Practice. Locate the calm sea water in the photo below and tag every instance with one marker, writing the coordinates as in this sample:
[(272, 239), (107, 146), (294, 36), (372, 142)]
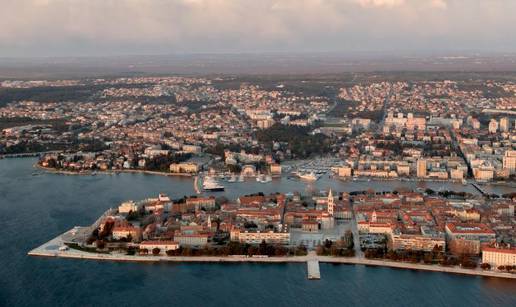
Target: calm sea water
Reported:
[(34, 209)]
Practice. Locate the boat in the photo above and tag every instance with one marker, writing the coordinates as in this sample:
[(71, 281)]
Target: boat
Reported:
[(309, 176), (212, 185)]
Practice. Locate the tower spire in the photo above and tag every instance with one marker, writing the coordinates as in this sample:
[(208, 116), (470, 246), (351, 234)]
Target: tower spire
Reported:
[(331, 203)]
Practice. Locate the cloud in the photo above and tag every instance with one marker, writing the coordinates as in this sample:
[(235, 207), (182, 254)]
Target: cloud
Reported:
[(381, 3), (76, 27), (440, 4)]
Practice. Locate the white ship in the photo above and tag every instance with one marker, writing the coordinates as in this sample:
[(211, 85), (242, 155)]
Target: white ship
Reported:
[(308, 176), (264, 179), (210, 184)]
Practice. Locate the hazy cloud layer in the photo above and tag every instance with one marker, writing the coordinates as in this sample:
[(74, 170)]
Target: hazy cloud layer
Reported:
[(107, 27)]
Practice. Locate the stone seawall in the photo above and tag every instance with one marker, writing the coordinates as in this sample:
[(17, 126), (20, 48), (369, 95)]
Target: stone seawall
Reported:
[(52, 249)]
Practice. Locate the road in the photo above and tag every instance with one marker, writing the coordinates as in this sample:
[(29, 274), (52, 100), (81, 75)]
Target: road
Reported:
[(356, 237)]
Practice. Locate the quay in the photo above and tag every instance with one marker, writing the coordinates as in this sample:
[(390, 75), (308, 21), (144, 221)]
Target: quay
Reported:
[(56, 248)]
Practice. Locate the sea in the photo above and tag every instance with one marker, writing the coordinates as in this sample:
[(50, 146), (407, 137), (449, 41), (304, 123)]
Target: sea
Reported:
[(36, 206)]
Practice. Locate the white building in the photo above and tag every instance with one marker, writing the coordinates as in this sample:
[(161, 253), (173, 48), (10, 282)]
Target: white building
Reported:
[(497, 256)]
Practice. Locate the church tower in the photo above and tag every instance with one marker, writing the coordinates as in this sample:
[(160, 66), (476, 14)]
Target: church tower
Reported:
[(331, 203)]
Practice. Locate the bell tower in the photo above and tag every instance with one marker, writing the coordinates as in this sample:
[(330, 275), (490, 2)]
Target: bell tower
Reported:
[(331, 203)]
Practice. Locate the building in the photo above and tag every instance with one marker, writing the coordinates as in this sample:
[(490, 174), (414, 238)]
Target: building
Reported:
[(127, 207), (194, 149), (470, 231), (375, 227), (248, 170), (403, 169), (509, 161), (456, 174), (258, 237), (185, 167), (163, 246), (197, 203), (310, 226), (344, 171), (483, 173), (275, 169), (493, 126), (504, 124), (421, 168), (499, 255), (417, 242), (330, 203), (126, 232), (191, 239)]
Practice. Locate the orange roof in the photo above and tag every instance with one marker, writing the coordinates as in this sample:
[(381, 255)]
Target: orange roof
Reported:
[(469, 228), (499, 250), (156, 242)]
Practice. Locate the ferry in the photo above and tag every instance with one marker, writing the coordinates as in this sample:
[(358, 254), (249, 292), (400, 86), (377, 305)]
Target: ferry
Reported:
[(264, 179), (309, 176), (210, 184)]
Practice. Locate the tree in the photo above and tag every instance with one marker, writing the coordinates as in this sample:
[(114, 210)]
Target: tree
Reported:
[(156, 251), (485, 266), (429, 191), (100, 244), (301, 250), (262, 248)]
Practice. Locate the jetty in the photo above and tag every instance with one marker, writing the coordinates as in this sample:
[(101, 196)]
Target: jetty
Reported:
[(314, 272)]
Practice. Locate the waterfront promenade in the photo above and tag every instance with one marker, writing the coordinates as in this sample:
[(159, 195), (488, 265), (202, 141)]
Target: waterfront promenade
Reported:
[(52, 249), (109, 172)]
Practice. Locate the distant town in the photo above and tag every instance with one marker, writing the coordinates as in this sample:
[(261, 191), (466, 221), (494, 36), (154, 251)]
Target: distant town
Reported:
[(429, 130)]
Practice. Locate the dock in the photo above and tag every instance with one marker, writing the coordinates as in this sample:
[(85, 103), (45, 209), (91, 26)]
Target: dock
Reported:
[(313, 269)]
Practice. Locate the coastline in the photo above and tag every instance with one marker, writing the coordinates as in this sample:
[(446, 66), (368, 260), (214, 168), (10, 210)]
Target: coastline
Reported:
[(51, 250), (108, 172), (341, 179)]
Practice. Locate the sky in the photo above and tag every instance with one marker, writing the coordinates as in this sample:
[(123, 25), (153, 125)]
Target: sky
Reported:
[(31, 28)]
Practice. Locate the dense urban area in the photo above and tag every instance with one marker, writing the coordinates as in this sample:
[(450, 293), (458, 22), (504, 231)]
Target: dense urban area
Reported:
[(430, 227), (220, 130), (437, 130)]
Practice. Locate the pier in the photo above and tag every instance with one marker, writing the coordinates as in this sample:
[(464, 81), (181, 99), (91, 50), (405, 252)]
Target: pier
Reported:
[(313, 269)]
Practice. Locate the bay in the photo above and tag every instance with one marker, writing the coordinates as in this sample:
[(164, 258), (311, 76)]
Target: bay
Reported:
[(36, 208)]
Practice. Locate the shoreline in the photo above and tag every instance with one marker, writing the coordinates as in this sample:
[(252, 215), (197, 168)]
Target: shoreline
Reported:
[(359, 179), (51, 250), (108, 172)]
